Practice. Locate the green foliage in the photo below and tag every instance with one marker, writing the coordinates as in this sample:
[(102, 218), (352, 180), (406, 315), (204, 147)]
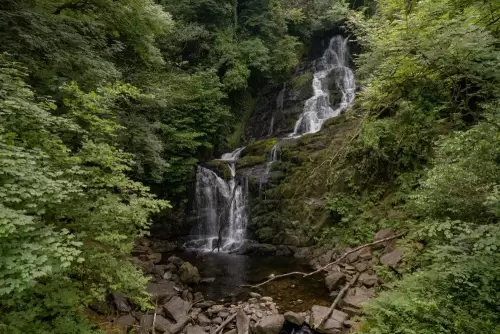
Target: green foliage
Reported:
[(65, 212)]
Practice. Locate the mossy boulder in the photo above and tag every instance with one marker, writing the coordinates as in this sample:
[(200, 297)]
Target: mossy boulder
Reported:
[(220, 168), (251, 160), (259, 148)]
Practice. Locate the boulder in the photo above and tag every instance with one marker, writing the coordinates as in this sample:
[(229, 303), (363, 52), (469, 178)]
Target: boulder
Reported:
[(271, 324), (161, 291), (361, 266), (155, 257), (189, 274), (303, 253), (190, 329), (126, 320), (162, 324), (242, 322), (383, 234), (188, 296), (355, 301), (179, 325), (146, 324), (332, 325), (198, 297), (121, 303), (171, 268), (335, 280), (217, 320), (325, 258), (203, 320), (177, 308), (159, 270), (368, 280), (295, 318), (365, 253), (175, 260), (393, 258), (352, 257)]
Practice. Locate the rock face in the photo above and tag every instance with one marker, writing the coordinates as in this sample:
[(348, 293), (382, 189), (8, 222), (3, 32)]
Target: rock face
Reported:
[(270, 325), (393, 258), (335, 280), (189, 274), (177, 308)]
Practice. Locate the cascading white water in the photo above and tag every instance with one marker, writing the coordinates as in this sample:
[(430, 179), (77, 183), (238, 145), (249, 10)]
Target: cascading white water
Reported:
[(220, 206), (317, 109)]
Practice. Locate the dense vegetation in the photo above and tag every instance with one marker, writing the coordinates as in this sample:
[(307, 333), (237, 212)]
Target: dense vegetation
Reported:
[(99, 103), (105, 110)]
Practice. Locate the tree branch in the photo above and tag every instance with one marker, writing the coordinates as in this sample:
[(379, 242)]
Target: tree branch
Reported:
[(225, 323), (343, 256), (337, 300)]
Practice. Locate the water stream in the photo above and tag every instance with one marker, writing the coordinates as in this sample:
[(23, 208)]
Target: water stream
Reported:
[(220, 207)]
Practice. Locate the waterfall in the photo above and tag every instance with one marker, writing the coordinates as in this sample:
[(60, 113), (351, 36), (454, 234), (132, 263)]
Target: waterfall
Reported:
[(317, 109), (220, 204)]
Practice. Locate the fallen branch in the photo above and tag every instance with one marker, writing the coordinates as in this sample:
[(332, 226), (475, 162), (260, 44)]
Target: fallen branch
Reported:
[(343, 256), (338, 298), (225, 323), (154, 316)]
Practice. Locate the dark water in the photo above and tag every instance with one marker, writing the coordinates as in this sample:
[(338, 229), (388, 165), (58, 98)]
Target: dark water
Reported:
[(232, 271)]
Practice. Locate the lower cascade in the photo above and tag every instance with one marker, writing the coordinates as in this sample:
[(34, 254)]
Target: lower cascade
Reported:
[(220, 209)]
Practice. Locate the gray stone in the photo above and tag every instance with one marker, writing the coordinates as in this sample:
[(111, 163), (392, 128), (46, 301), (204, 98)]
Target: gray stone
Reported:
[(352, 257), (217, 320), (203, 320), (351, 311), (295, 318), (232, 331), (368, 280), (266, 299), (255, 295), (332, 325), (198, 297), (177, 308), (187, 296), (205, 304), (121, 302), (161, 291), (392, 258), (335, 280), (242, 323), (175, 260), (207, 280), (223, 314), (365, 253), (361, 266), (126, 320), (162, 324), (189, 274), (146, 324), (355, 301), (179, 326), (383, 234), (190, 329), (167, 276), (171, 268), (155, 257), (303, 253), (325, 258), (253, 301), (270, 324)]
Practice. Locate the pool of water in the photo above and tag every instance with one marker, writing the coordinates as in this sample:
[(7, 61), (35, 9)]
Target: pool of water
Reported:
[(231, 271)]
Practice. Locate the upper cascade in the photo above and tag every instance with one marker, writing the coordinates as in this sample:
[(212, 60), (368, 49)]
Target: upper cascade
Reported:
[(317, 109)]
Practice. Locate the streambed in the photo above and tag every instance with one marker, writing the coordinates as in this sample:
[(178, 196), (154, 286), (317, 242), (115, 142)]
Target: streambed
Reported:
[(230, 272)]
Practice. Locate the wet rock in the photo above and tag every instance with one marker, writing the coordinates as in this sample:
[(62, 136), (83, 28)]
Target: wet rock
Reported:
[(203, 320), (161, 291), (266, 299), (295, 318), (190, 329), (368, 280), (217, 320), (121, 302), (270, 324), (283, 250), (253, 248), (255, 295), (175, 260), (177, 308), (242, 323), (189, 274), (393, 258), (207, 280), (126, 320), (335, 280)]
